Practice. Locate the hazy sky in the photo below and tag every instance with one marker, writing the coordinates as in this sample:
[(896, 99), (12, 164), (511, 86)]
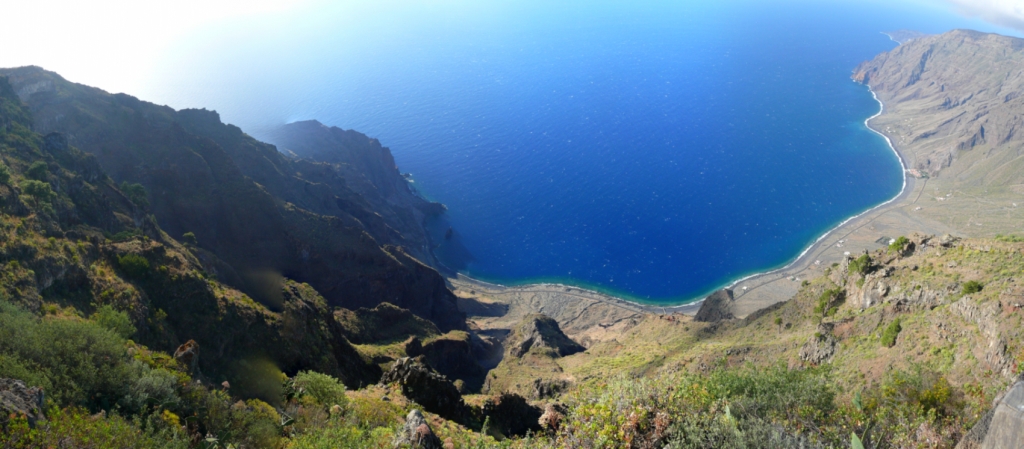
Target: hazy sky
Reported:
[(119, 45)]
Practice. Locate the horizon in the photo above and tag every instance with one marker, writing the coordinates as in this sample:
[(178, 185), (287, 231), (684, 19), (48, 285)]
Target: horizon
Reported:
[(124, 47)]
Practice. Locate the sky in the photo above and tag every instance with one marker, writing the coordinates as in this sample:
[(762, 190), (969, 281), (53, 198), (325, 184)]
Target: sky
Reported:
[(119, 45)]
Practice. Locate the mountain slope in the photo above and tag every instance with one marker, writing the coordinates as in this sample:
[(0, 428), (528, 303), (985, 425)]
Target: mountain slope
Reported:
[(245, 203), (369, 169), (954, 107), (73, 242)]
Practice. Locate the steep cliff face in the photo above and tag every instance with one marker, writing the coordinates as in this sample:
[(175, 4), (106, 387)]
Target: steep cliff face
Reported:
[(367, 168), (265, 216), (955, 92), (71, 238)]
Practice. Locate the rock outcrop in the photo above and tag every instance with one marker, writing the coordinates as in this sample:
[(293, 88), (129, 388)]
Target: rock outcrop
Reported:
[(369, 169), (821, 346), (716, 307), (549, 388), (385, 323), (540, 333), (18, 399), (511, 415), (434, 392), (188, 355), (262, 215), (452, 355)]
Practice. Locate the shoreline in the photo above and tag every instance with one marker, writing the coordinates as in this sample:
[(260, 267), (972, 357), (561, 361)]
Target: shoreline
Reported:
[(798, 264), (903, 191)]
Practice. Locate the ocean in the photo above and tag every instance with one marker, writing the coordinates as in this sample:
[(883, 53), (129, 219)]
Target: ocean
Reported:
[(652, 150)]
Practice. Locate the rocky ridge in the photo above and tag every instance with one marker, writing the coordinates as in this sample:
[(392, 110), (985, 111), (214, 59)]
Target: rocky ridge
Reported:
[(257, 216)]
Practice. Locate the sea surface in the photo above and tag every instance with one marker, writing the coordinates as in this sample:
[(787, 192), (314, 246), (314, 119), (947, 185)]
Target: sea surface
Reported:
[(652, 150)]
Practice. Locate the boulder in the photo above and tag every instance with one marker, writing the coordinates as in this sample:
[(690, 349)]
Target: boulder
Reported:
[(434, 392), (416, 433), (538, 331), (16, 398)]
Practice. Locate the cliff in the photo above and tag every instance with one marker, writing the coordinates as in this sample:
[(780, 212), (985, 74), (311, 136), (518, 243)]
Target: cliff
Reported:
[(369, 169), (74, 242), (259, 216)]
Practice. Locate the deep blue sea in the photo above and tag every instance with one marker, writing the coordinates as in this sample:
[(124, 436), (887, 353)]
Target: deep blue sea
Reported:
[(654, 150)]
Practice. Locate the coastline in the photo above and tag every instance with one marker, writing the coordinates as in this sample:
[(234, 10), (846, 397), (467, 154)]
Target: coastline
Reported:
[(902, 193), (798, 265)]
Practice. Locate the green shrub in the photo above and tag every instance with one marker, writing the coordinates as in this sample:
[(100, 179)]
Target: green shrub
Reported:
[(775, 392), (38, 189), (75, 428), (890, 333), (860, 265), (116, 321), (827, 299), (972, 287), (13, 367), (5, 173), (189, 238), (124, 236), (922, 389), (373, 412), (136, 193), (80, 361), (341, 435), (327, 390), (151, 388), (1009, 238), (133, 265), (37, 171), (898, 244)]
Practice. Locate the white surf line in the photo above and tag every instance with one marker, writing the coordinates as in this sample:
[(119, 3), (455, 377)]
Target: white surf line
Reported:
[(903, 166)]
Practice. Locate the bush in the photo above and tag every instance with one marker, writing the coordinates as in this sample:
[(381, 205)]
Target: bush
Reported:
[(79, 361), (860, 265), (151, 388), (38, 189), (118, 322), (890, 333), (38, 171), (341, 435), (972, 287), (136, 193), (373, 412), (74, 427), (5, 174), (826, 301), (898, 244), (1009, 238), (190, 238), (133, 265), (775, 392), (327, 390)]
